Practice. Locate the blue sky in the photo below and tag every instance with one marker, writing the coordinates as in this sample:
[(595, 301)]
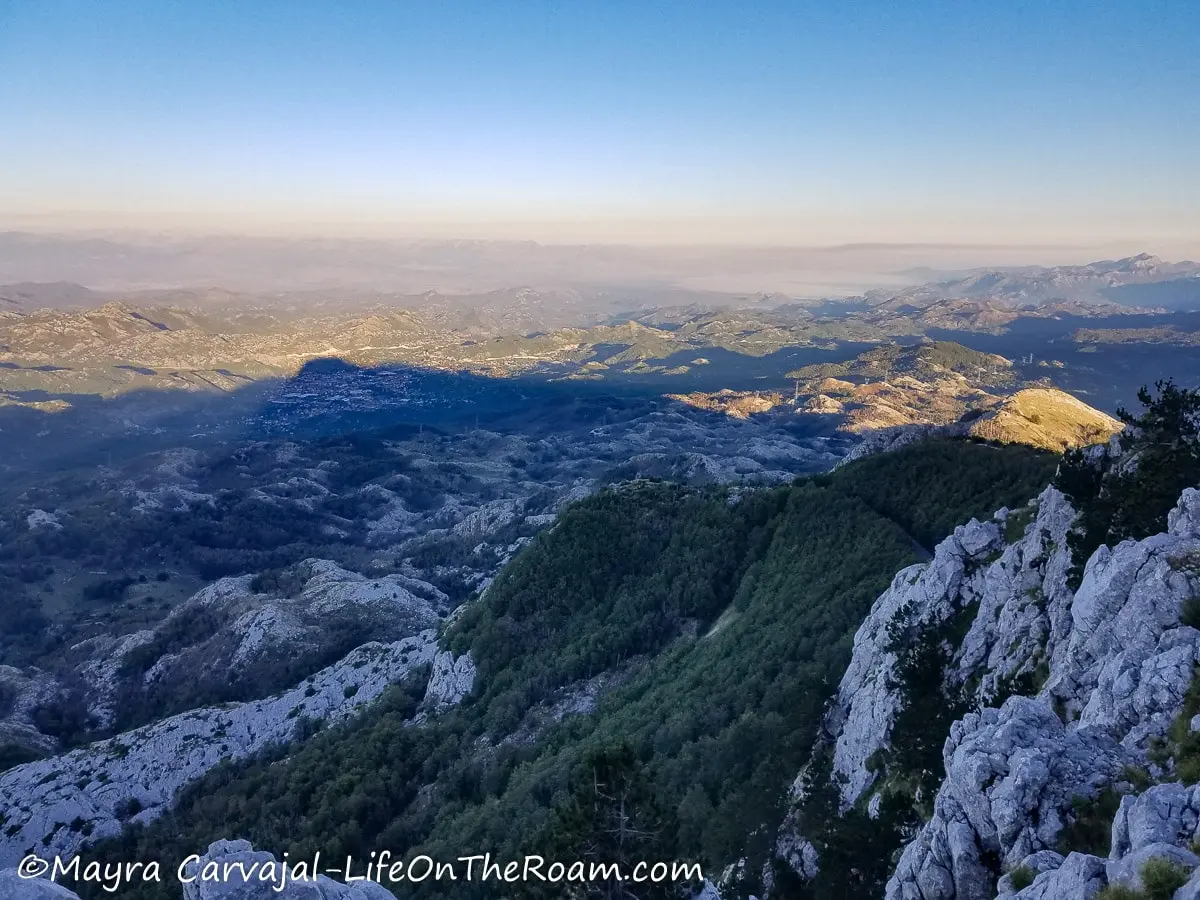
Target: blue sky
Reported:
[(609, 120)]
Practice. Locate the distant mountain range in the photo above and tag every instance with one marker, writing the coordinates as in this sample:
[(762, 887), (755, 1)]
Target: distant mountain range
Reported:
[(61, 339), (980, 297), (1121, 282)]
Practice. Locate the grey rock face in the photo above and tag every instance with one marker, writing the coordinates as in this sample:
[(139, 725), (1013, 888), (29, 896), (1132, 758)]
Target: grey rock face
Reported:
[(1011, 775), (1191, 890), (1120, 657), (1042, 861), (450, 681), (1184, 519), (1164, 814), (1024, 605), (1161, 823), (1080, 877), (881, 440), (322, 610), (13, 887), (24, 691), (972, 569), (237, 874), (1127, 660), (798, 853), (1111, 664), (923, 596), (97, 784), (1128, 869)]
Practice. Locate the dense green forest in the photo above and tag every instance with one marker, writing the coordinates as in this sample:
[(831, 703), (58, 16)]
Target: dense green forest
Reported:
[(705, 629)]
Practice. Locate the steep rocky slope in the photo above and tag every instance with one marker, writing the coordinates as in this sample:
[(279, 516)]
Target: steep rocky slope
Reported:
[(57, 804), (1067, 703), (249, 634), (1118, 663)]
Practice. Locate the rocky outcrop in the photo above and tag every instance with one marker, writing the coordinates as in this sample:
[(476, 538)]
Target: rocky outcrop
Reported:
[(21, 693), (1185, 517), (451, 680), (56, 804), (14, 887), (1080, 876), (1118, 663), (1072, 690), (228, 870), (1012, 774), (1160, 824), (237, 870), (259, 633), (1024, 601), (922, 598), (881, 440)]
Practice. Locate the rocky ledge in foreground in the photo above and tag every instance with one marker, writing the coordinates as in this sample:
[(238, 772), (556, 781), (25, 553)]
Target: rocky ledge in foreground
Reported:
[(231, 857), (1072, 761)]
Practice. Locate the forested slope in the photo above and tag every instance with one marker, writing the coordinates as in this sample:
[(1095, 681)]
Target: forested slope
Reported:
[(692, 635)]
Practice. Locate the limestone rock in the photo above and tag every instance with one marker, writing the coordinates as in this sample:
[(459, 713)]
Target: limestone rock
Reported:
[(239, 859), (1080, 877), (239, 630), (923, 597), (135, 776), (1184, 519), (13, 887), (1011, 773), (1128, 869), (25, 691), (1118, 664), (882, 440), (1191, 890), (450, 681), (1127, 660), (799, 854), (1024, 602), (1036, 863)]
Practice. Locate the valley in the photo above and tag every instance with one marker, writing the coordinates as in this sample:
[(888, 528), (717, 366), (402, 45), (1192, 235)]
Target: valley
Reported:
[(281, 555), (599, 451)]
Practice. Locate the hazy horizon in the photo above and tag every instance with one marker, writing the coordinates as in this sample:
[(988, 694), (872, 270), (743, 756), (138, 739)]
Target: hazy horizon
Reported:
[(129, 260)]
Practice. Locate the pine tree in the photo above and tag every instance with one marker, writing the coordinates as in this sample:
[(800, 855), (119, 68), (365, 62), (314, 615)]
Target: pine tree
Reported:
[(612, 817)]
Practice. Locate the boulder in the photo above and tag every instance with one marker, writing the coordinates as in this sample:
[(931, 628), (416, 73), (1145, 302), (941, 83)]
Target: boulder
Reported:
[(239, 867)]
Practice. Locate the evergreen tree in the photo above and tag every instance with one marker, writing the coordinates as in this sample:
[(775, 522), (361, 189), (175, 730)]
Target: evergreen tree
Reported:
[(613, 818), (1161, 457)]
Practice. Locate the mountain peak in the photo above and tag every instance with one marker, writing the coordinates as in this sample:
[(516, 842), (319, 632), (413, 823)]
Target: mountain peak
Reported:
[(1143, 262)]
